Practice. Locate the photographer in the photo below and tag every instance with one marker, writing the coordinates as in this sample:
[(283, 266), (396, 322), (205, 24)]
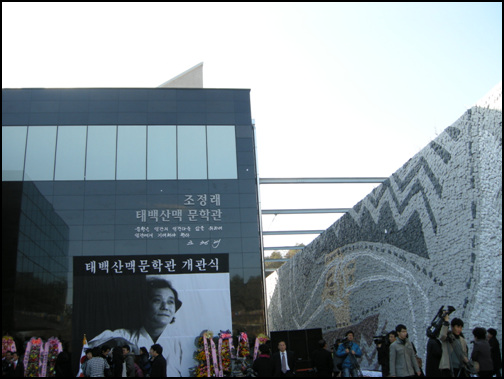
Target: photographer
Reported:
[(434, 345), (403, 360), (350, 351), (455, 349), (383, 346)]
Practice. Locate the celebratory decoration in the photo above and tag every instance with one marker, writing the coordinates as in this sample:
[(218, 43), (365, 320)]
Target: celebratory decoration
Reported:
[(8, 344), (33, 358), (225, 352), (215, 360), (243, 346), (202, 356), (50, 352), (260, 340)]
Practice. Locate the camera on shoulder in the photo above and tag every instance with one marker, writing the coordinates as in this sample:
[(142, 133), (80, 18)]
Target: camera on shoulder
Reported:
[(437, 322), (381, 340)]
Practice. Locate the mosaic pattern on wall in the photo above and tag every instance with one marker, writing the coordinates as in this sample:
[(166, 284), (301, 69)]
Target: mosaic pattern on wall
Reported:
[(430, 235)]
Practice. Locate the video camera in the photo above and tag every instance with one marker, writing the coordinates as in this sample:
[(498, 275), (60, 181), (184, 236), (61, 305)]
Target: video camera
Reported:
[(437, 322), (381, 340), (345, 341)]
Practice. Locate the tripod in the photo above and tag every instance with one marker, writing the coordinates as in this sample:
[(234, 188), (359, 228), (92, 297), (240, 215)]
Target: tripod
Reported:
[(354, 362)]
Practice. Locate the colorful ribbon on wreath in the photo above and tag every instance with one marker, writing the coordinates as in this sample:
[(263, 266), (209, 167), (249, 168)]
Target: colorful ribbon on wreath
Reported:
[(49, 354), (215, 355), (206, 335), (221, 367), (218, 372), (225, 335)]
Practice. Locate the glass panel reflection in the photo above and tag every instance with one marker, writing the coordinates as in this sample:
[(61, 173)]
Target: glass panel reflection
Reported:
[(40, 152), (101, 152), (162, 152), (221, 152), (42, 255), (70, 153), (131, 152), (192, 154), (13, 152)]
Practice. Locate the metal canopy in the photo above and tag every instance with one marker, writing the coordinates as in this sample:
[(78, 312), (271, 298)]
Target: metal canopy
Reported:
[(320, 180), (303, 211), (326, 180)]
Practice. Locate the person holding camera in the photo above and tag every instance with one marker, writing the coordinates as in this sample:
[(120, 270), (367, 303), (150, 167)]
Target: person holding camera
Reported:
[(403, 361), (350, 351), (383, 348), (434, 344), (455, 351)]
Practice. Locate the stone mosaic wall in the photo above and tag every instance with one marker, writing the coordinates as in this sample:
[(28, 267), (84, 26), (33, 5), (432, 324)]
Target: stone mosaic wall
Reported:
[(430, 235)]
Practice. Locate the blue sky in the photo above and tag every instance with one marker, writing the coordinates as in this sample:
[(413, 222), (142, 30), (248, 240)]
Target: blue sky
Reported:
[(337, 89)]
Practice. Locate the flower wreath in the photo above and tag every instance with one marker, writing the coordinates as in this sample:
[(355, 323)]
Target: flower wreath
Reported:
[(50, 353), (33, 357), (206, 346), (243, 346), (225, 352), (8, 344)]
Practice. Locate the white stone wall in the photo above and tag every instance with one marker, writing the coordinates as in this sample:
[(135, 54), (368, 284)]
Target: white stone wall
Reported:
[(430, 235)]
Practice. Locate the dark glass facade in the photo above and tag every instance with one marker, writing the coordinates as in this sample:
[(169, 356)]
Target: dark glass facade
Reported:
[(90, 172)]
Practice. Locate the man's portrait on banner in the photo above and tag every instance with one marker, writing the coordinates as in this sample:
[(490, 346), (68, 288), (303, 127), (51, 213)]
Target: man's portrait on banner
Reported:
[(142, 310), (159, 303)]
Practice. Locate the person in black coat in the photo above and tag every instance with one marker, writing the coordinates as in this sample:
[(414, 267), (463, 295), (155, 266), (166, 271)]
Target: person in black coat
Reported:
[(290, 361), (263, 365), (495, 351), (481, 353), (383, 348), (158, 367), (16, 368), (117, 361), (63, 366), (145, 363), (434, 354), (6, 362), (322, 360)]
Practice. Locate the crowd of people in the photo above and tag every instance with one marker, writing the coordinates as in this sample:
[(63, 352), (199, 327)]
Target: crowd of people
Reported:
[(447, 355), (12, 365), (102, 361), (122, 362)]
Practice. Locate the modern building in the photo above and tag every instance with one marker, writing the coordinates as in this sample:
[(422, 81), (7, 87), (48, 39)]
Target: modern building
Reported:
[(120, 172)]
